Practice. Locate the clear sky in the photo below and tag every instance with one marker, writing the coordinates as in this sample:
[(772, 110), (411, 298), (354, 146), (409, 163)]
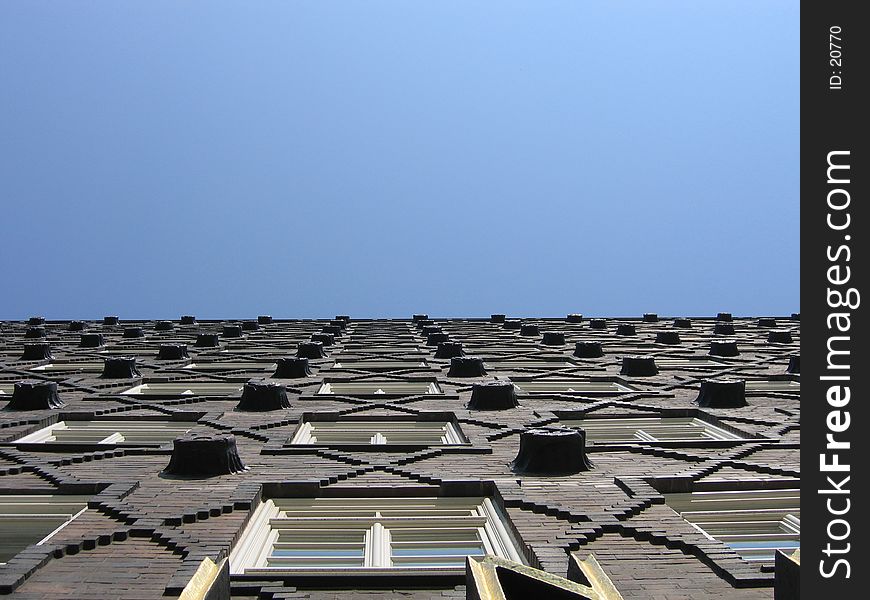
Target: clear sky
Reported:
[(379, 158)]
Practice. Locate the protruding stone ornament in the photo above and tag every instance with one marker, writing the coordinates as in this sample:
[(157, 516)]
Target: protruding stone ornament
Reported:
[(34, 394), (449, 350), (291, 368), (207, 340), (553, 451), (722, 393), (553, 338), (499, 394), (172, 352), (639, 366), (263, 395), (36, 351), (200, 454), (466, 366), (588, 349), (310, 350), (671, 338), (724, 348), (120, 367)]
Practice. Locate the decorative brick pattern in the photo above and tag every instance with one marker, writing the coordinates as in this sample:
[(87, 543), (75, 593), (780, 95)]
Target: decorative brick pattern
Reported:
[(145, 532)]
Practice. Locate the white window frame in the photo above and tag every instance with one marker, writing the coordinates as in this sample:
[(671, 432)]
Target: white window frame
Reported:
[(645, 429), (378, 432), (370, 526), (185, 388), (769, 518), (22, 512), (108, 432), (381, 387)]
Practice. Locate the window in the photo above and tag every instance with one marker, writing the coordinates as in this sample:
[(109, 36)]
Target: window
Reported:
[(70, 367), (579, 386), (755, 523), (784, 387), (185, 388), (399, 388), (347, 534), (379, 365), (422, 433), (649, 429), (26, 520), (239, 365), (108, 432), (520, 363)]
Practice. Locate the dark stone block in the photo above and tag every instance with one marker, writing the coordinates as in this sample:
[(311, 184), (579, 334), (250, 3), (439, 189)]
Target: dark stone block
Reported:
[(333, 330), (794, 364), (344, 318), (722, 393), (530, 329), (424, 322), (202, 454), (430, 329), (597, 324), (795, 316), (512, 324), (650, 318), (449, 350), (499, 394), (682, 323), (36, 321), (91, 340), (466, 366), (339, 323), (639, 366), (433, 339), (188, 320), (76, 326), (588, 349), (34, 333), (670, 338), (552, 451), (779, 336), (723, 329), (723, 316), (164, 326), (262, 395), (207, 340), (172, 352), (626, 329), (497, 318), (419, 317), (310, 350), (120, 367), (232, 331), (327, 339), (724, 348), (553, 338), (110, 320), (574, 318), (766, 322), (250, 326), (291, 368), (33, 394), (133, 332), (37, 351), (264, 319)]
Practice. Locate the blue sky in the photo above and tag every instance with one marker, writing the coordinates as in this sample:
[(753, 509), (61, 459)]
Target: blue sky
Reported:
[(379, 158)]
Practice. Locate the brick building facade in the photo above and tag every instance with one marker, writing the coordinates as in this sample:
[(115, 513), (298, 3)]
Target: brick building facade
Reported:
[(369, 470)]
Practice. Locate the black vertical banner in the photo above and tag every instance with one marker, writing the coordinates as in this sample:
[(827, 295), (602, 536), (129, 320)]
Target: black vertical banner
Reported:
[(835, 222)]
